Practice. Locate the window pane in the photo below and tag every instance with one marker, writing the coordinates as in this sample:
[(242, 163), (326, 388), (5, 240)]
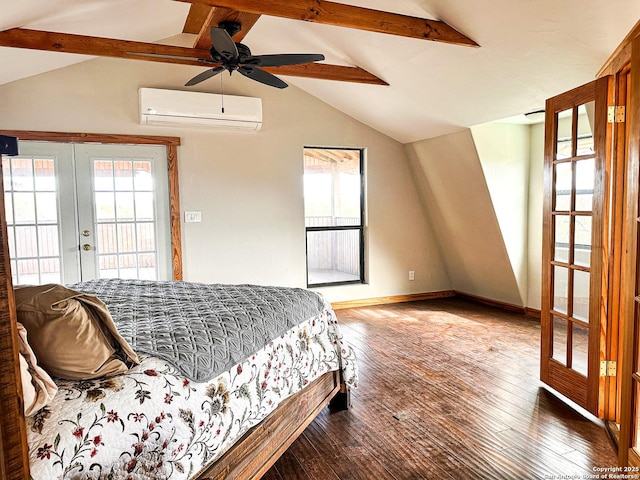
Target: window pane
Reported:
[(147, 266), (125, 209), (564, 146), (126, 237), (585, 177), (142, 176), (585, 130), (128, 266), (560, 340), (22, 174), (123, 172), (27, 272), (50, 270), (581, 295), (563, 233), (144, 206), (103, 175), (6, 173), (560, 289), (45, 175), (24, 208), (12, 243), (47, 206), (563, 184), (48, 241), (26, 242), (105, 206), (108, 265), (317, 199), (582, 246), (333, 256), (332, 187), (146, 237), (580, 350), (107, 240), (8, 207)]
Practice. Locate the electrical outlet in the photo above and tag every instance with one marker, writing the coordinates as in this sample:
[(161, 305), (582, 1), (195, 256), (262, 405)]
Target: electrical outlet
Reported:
[(412, 275)]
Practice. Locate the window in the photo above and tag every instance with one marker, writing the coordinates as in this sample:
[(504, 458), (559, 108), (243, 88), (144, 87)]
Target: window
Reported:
[(334, 215)]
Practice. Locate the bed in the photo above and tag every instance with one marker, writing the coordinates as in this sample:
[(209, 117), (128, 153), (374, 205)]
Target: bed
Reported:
[(235, 392)]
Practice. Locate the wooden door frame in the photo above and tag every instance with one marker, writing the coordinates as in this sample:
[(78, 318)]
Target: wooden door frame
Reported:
[(628, 417), (171, 143), (618, 243), (587, 393)]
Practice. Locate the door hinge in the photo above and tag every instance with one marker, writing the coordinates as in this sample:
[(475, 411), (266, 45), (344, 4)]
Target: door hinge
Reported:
[(608, 368), (616, 114)]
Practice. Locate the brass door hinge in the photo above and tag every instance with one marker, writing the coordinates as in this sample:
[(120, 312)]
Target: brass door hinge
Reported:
[(608, 368), (615, 114)]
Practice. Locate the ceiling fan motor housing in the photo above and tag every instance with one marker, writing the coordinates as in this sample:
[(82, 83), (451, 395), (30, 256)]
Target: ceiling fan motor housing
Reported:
[(230, 27)]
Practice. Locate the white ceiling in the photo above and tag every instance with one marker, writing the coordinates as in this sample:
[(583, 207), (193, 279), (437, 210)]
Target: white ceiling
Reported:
[(529, 50)]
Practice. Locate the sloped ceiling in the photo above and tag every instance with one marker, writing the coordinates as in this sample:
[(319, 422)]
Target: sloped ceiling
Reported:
[(529, 50)]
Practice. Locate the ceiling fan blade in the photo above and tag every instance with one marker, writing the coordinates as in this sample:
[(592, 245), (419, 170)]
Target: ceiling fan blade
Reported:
[(279, 60), (254, 73), (201, 77), (171, 57), (223, 43)]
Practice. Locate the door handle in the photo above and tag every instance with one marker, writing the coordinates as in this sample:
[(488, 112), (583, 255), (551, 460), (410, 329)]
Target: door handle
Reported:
[(86, 247)]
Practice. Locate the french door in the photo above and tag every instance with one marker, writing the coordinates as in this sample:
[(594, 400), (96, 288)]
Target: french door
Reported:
[(82, 211), (573, 316)]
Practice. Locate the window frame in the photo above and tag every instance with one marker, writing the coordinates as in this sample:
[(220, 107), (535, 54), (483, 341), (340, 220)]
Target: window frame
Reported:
[(360, 227)]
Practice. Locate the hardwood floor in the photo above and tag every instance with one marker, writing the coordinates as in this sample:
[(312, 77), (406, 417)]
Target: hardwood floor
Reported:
[(448, 390)]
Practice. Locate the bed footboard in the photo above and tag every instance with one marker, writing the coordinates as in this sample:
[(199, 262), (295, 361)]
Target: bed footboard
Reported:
[(261, 446)]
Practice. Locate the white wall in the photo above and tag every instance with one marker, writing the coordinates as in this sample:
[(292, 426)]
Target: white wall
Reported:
[(483, 190), (503, 150), (536, 192), (247, 186), (455, 194)]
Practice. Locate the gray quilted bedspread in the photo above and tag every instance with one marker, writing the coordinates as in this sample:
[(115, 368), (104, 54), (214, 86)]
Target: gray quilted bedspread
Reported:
[(202, 329)]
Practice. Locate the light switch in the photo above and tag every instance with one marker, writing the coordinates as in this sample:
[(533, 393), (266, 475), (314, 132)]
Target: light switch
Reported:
[(192, 217)]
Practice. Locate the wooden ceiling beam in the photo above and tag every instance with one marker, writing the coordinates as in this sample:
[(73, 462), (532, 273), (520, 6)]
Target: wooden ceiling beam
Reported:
[(108, 47), (326, 71), (202, 17), (97, 46), (198, 14), (219, 14), (349, 16)]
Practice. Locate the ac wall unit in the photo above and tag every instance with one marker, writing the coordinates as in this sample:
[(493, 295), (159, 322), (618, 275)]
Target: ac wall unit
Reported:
[(195, 109)]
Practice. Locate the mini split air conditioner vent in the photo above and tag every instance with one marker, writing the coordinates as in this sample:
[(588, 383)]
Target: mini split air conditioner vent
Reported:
[(194, 109)]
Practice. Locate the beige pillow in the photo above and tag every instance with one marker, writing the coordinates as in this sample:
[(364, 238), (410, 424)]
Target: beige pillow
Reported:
[(71, 333), (38, 389)]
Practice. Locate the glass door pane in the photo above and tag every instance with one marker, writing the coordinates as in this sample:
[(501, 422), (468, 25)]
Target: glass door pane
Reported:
[(127, 230), (40, 214), (573, 187)]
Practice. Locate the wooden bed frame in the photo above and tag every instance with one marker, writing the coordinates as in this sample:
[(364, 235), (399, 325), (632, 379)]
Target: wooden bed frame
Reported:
[(249, 458)]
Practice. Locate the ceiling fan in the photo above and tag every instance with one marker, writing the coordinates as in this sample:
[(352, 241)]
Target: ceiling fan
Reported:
[(237, 57)]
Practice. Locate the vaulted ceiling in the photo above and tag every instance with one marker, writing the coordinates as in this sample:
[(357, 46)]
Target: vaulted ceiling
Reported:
[(412, 69)]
